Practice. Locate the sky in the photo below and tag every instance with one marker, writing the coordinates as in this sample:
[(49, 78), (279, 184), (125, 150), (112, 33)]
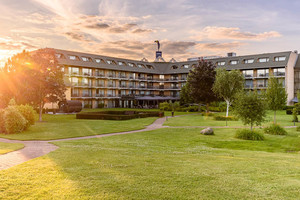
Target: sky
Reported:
[(128, 28)]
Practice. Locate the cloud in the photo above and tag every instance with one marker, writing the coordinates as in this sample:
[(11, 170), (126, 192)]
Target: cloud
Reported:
[(98, 26), (231, 33), (10, 44), (78, 36), (216, 47), (139, 30)]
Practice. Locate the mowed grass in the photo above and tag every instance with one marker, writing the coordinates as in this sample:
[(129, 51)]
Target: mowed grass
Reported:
[(168, 163), (8, 147), (198, 120), (67, 126)]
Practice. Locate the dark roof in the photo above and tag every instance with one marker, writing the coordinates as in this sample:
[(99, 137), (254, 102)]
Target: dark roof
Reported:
[(166, 67)]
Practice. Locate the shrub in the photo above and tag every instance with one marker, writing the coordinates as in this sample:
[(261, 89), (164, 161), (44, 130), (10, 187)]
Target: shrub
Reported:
[(224, 118), (288, 107), (214, 109), (14, 120), (275, 129), (247, 134), (2, 121), (165, 106), (28, 113), (298, 128), (192, 109), (101, 105), (295, 113)]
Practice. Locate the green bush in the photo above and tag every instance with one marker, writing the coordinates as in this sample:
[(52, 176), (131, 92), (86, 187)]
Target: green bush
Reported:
[(214, 109), (101, 105), (28, 113), (247, 134), (295, 113), (275, 129), (118, 115), (288, 107), (298, 128), (2, 121), (14, 120), (165, 106), (224, 118), (192, 109)]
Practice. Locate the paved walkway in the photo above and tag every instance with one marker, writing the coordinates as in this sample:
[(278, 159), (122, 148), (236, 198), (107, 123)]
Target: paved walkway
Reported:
[(34, 149)]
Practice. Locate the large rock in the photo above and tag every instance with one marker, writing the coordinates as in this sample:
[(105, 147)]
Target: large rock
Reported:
[(207, 131)]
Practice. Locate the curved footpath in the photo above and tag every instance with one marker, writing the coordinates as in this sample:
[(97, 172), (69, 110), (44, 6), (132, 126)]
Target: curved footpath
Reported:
[(34, 149)]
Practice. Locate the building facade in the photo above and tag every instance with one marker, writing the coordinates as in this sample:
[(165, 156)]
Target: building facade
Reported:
[(100, 81)]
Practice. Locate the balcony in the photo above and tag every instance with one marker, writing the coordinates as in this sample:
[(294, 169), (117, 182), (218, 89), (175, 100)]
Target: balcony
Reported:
[(99, 95)]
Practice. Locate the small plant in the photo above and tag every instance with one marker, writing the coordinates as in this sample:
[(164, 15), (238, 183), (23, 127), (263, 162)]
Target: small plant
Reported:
[(14, 120), (247, 134), (295, 113), (275, 129), (224, 118)]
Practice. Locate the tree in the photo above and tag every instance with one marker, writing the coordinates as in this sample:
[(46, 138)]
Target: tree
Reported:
[(275, 95), (250, 108), (185, 97), (32, 78), (201, 80), (227, 85)]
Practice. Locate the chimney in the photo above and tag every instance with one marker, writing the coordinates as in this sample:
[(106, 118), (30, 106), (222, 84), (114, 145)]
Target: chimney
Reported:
[(231, 54)]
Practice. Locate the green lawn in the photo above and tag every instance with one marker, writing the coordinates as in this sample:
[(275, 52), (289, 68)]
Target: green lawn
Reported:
[(167, 163), (198, 120), (67, 126), (8, 147)]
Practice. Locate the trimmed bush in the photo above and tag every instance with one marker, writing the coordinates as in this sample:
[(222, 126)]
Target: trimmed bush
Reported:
[(28, 113), (2, 121), (247, 134), (118, 115), (192, 109), (275, 129), (224, 118), (14, 120)]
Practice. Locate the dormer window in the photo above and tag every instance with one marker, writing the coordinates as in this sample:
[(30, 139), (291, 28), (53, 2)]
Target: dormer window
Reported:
[(150, 67), (73, 57), (121, 63), (249, 61), (86, 59), (263, 60), (174, 67), (234, 62), (141, 66), (59, 55), (279, 58), (186, 66), (221, 63), (111, 62)]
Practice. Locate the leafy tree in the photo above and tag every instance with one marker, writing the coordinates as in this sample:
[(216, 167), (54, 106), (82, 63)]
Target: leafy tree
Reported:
[(185, 97), (33, 78), (250, 108), (201, 80), (275, 95), (227, 85)]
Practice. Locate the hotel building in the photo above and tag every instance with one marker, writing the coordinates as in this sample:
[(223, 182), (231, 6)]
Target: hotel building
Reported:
[(115, 82)]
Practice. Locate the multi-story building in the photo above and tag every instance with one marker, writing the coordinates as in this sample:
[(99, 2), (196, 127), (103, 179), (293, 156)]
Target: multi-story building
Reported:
[(115, 82)]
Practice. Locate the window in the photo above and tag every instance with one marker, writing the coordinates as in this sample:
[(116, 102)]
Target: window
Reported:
[(86, 92), (234, 62), (262, 60), (174, 67), (263, 72), (86, 82), (99, 72), (161, 77), (122, 75), (141, 66), (74, 92), (282, 81), (73, 70), (248, 61), (131, 65), (248, 73), (184, 76), (111, 62), (279, 72), (111, 83), (74, 81), (262, 83), (279, 58), (100, 83), (186, 66), (73, 58), (149, 66), (248, 84), (59, 55), (86, 59), (86, 72), (220, 63)]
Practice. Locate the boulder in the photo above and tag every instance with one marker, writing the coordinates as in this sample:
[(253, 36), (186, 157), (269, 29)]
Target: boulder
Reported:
[(207, 131)]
